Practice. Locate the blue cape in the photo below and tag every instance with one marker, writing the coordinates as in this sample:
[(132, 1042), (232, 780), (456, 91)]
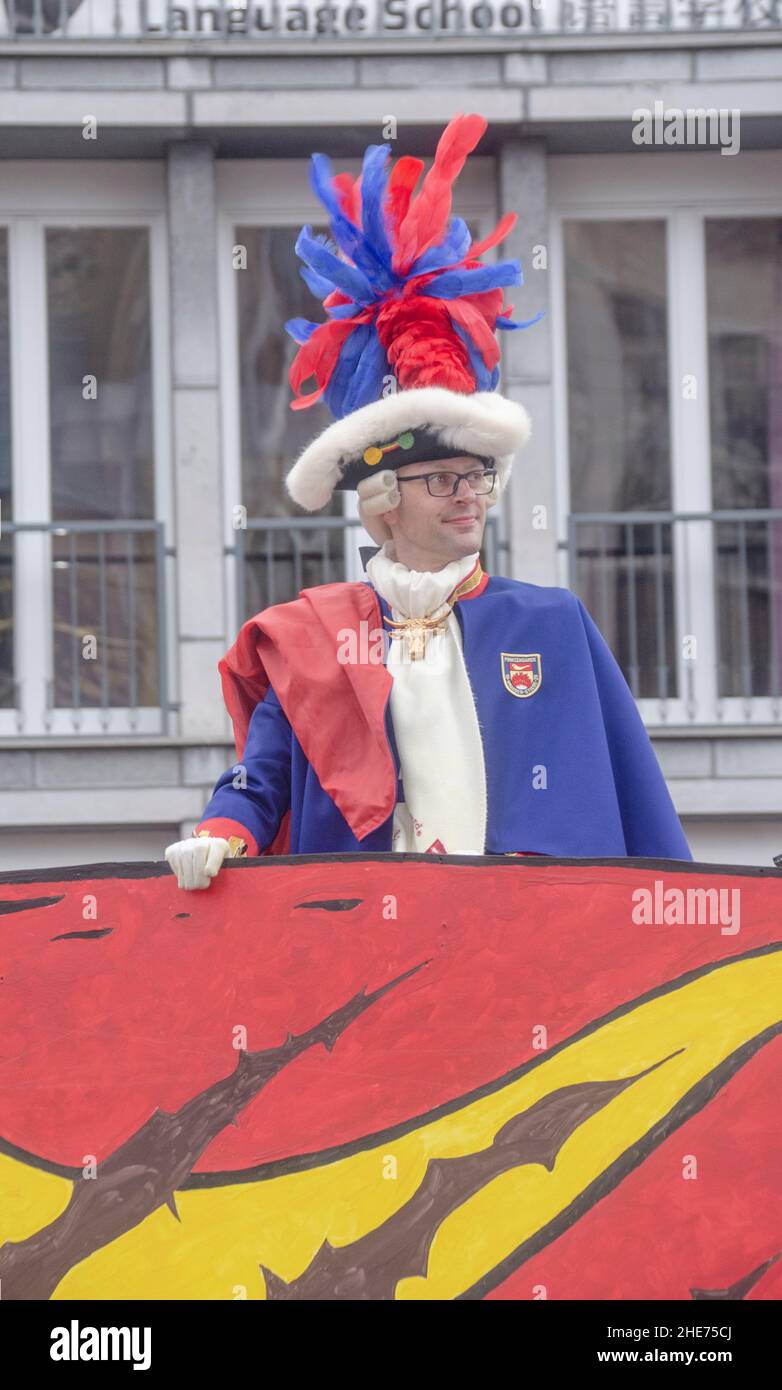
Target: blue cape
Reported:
[(570, 770)]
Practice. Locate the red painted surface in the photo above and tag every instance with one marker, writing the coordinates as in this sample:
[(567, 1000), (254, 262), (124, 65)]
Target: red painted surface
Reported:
[(100, 1032), (656, 1235)]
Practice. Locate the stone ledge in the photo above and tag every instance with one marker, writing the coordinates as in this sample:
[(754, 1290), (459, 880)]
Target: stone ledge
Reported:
[(51, 74), (185, 74), (653, 66), (118, 769), (249, 108), (111, 108), (727, 796), (145, 766), (684, 759), (285, 72), (719, 64), (127, 806), (477, 69), (616, 102)]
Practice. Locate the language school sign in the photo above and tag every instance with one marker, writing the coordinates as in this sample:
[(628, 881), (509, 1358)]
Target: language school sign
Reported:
[(371, 17), (356, 19), (467, 17)]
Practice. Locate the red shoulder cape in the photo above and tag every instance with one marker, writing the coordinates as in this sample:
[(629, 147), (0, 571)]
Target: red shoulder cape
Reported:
[(336, 710)]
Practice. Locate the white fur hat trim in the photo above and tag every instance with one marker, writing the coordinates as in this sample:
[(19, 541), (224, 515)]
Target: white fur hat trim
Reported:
[(483, 423)]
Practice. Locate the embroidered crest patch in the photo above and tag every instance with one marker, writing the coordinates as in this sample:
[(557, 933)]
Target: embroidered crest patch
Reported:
[(521, 673)]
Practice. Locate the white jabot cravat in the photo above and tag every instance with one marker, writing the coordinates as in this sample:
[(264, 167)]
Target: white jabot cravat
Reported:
[(433, 713)]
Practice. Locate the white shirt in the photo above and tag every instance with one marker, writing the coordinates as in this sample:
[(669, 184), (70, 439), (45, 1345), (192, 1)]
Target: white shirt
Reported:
[(433, 713)]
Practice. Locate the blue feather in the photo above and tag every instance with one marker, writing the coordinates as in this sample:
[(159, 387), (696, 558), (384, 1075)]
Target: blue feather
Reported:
[(301, 330), (484, 379), (325, 241), (342, 311), (454, 283), (350, 238), (527, 323), (346, 233), (317, 283), (344, 367), (323, 288), (367, 380), (449, 251), (374, 178), (345, 277), (342, 375)]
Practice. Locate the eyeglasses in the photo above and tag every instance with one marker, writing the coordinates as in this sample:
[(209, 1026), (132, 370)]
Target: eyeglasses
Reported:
[(480, 480)]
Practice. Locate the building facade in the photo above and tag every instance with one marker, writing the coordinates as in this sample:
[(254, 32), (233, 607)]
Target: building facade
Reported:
[(153, 177)]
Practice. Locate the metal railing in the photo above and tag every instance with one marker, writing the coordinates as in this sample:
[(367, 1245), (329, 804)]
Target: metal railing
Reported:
[(104, 605), (102, 577), (690, 602), (276, 557), (269, 20)]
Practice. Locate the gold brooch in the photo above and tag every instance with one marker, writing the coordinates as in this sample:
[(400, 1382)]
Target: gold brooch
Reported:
[(416, 631)]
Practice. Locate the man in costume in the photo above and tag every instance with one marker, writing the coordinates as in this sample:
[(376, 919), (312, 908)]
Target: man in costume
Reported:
[(433, 707)]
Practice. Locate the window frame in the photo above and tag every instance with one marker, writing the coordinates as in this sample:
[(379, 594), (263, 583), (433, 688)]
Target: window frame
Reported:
[(73, 194), (682, 189)]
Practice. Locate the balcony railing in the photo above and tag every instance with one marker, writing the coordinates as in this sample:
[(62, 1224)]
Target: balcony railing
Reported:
[(270, 20), (691, 605), (83, 627), (277, 556)]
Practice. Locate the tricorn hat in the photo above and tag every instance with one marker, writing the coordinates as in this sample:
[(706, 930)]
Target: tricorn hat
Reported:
[(408, 358)]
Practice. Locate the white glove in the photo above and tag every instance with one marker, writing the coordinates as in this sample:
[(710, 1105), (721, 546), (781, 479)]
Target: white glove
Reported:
[(196, 861)]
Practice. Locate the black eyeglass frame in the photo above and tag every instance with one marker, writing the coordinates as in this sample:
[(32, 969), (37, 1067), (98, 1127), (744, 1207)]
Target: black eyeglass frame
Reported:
[(440, 472)]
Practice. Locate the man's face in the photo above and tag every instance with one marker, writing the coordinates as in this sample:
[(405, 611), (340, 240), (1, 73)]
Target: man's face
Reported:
[(436, 530)]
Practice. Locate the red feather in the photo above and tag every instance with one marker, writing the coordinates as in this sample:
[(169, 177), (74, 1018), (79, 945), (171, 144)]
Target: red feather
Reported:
[(487, 302), (336, 297), (468, 316), (349, 193), (427, 217), (421, 346), (318, 357), (401, 182), (500, 232)]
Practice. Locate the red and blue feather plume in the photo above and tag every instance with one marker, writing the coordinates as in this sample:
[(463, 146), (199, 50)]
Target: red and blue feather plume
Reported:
[(402, 282)]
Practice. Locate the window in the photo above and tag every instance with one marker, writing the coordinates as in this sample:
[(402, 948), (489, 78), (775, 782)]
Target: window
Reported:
[(101, 464), (668, 297), (278, 560), (83, 416), (744, 306), (6, 513), (619, 437)]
